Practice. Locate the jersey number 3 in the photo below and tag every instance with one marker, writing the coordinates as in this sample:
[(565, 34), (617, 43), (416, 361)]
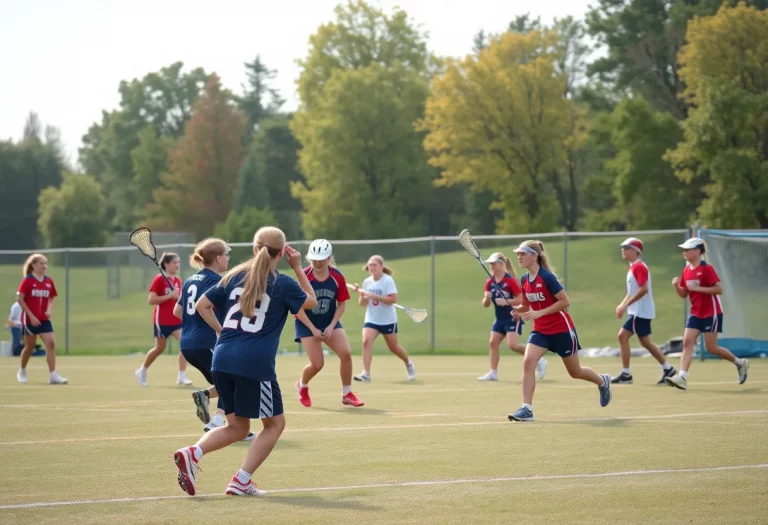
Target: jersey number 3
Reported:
[(246, 324), (191, 296)]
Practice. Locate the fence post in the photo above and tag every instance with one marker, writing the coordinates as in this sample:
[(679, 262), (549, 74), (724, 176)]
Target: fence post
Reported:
[(66, 302), (565, 260), (432, 250), (697, 233)]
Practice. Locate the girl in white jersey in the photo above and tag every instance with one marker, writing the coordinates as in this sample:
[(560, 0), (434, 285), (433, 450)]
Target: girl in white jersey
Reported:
[(378, 295)]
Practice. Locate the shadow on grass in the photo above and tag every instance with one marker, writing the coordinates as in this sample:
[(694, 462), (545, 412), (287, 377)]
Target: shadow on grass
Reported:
[(318, 502), (359, 410)]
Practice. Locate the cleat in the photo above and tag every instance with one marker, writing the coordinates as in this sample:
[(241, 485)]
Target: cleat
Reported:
[(141, 375), (250, 437), (743, 371), (363, 376), (56, 379), (541, 367), (351, 400), (522, 414), (623, 379), (605, 390), (304, 398), (665, 374), (188, 469), (21, 375), (235, 488), (201, 402), (490, 376), (410, 369), (677, 381), (183, 381)]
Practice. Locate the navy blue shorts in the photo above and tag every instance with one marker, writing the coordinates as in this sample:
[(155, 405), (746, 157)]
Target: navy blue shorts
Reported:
[(165, 331), (248, 397), (563, 344), (505, 326), (45, 327), (707, 324), (301, 331), (200, 358), (385, 329), (638, 325)]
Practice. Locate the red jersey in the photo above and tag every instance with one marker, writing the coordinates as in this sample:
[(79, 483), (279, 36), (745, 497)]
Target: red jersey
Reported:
[(509, 288), (162, 315), (539, 293), (703, 305), (38, 296)]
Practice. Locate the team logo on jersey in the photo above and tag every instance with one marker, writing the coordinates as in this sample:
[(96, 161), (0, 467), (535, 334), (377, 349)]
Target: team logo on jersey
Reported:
[(534, 297), (41, 293), (692, 282)]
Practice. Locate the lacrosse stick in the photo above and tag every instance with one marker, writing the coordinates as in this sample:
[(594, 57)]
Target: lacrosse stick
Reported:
[(142, 239), (417, 315), (466, 241)]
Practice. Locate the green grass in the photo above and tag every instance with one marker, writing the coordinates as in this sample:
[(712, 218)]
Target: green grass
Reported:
[(102, 437), (595, 279)]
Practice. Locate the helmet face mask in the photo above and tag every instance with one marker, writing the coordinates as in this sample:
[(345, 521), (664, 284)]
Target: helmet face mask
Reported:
[(319, 250)]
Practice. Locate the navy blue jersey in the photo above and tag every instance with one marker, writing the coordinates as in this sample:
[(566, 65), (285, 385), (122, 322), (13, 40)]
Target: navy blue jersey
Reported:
[(329, 292), (509, 288), (195, 332), (248, 346)]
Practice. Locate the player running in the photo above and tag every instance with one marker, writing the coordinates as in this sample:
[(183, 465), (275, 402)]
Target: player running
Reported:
[(700, 283), (255, 300), (638, 303), (322, 324), (545, 303), (504, 326), (378, 295), (36, 295), (165, 323)]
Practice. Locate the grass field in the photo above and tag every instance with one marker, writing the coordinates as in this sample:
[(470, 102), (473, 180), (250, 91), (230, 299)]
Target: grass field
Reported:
[(595, 283), (438, 450)]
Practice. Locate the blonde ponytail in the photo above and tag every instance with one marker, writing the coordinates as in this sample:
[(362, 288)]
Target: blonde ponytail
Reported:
[(543, 256), (380, 260), (206, 252), (510, 270)]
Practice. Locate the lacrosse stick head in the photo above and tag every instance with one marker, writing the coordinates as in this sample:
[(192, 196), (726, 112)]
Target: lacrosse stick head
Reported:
[(142, 239), (417, 315), (466, 241)]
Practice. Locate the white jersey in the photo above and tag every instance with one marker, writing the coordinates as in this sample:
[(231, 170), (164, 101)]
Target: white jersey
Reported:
[(15, 316), (637, 276), (379, 313)]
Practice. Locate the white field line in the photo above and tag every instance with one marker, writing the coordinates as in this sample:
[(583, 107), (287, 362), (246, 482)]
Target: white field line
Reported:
[(496, 421), (428, 483)]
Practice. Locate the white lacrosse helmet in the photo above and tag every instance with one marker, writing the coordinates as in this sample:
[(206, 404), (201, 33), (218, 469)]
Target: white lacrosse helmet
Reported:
[(319, 250)]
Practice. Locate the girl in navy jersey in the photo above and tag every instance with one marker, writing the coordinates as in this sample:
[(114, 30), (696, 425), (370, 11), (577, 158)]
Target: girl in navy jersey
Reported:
[(504, 326), (255, 301), (700, 283), (545, 303), (322, 324), (36, 295), (164, 323)]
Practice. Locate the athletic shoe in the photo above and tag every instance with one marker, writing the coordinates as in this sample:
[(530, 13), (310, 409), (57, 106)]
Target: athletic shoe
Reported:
[(235, 488), (605, 390), (56, 379), (363, 376), (183, 381), (410, 369), (141, 375), (541, 367), (304, 398), (490, 376), (743, 371), (21, 375), (351, 400), (522, 414), (188, 469), (677, 381), (665, 374), (250, 437), (624, 379), (201, 402)]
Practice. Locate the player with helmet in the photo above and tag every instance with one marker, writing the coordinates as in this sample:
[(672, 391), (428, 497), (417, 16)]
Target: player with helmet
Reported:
[(638, 303), (322, 323)]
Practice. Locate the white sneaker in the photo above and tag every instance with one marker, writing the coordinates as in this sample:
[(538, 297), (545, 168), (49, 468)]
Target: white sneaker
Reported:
[(250, 437), (188, 468), (141, 375), (541, 367), (215, 423), (236, 488), (743, 371), (490, 376), (411, 370), (183, 381), (21, 375), (363, 376), (56, 379)]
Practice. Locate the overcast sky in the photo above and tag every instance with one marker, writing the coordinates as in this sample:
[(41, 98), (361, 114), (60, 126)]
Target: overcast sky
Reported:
[(64, 59)]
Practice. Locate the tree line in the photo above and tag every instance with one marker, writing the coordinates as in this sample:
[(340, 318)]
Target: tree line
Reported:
[(525, 133)]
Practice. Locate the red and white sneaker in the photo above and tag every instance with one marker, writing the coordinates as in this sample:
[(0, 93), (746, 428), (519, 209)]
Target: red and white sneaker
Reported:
[(351, 400), (235, 488), (303, 395), (188, 469)]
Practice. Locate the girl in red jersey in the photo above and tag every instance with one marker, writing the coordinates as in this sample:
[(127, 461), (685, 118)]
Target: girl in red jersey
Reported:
[(545, 303), (36, 295), (164, 322), (701, 285), (504, 326)]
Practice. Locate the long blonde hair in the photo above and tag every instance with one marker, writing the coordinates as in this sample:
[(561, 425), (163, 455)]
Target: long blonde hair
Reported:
[(206, 252), (31, 260), (268, 244), (543, 257), (508, 266), (379, 259)]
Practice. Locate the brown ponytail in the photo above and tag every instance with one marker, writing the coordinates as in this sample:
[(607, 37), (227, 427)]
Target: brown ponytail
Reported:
[(166, 258)]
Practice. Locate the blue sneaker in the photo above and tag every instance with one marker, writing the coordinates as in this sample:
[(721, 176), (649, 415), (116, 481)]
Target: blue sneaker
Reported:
[(605, 390), (522, 414)]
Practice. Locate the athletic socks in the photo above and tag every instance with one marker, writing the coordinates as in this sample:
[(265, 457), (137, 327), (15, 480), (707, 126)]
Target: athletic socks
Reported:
[(529, 407), (684, 374), (666, 366), (303, 385), (243, 477), (346, 390), (197, 452), (738, 362), (626, 371)]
